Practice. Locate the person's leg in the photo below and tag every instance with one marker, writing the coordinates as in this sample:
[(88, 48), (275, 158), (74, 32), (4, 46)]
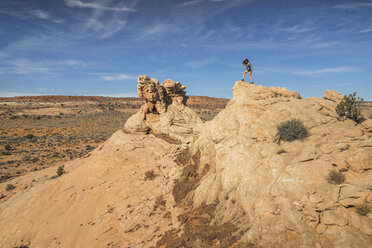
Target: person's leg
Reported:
[(250, 75), (244, 74)]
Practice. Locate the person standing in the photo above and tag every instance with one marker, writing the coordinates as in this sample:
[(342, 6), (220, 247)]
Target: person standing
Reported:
[(248, 66)]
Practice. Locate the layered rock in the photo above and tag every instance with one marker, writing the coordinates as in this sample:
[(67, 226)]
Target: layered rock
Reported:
[(164, 111), (282, 199)]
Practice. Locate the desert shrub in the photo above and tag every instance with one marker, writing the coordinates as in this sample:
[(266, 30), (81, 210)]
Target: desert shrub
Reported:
[(8, 147), (335, 177), (5, 153), (9, 187), (362, 209), (89, 147), (150, 175), (29, 136), (182, 179), (281, 150), (26, 158), (292, 130), (349, 107), (60, 170)]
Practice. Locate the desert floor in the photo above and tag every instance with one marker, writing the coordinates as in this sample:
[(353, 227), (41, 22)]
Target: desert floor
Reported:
[(45, 131)]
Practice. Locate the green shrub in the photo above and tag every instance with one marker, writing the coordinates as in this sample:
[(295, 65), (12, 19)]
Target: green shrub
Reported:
[(60, 170), (29, 136), (292, 130), (349, 107), (335, 177), (9, 187), (8, 147), (362, 209)]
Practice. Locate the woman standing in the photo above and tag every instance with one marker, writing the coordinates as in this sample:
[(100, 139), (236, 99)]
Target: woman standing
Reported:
[(248, 66)]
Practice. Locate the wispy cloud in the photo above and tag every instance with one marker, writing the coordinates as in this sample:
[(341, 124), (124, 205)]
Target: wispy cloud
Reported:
[(189, 3), (158, 29), (94, 5), (327, 70), (353, 5), (26, 66), (103, 29), (199, 63), (41, 14), (26, 14), (297, 29), (366, 30), (117, 77), (23, 66)]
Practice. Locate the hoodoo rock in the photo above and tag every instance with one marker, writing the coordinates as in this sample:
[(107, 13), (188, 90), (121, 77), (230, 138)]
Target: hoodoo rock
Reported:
[(164, 111), (229, 182)]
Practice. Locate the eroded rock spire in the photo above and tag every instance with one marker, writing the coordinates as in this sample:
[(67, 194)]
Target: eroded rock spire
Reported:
[(164, 111)]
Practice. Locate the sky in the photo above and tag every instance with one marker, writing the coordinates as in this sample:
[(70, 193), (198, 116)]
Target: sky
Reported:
[(100, 47)]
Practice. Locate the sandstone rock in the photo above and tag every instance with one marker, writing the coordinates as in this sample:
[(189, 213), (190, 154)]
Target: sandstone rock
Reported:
[(334, 218), (367, 124), (352, 195), (353, 133), (164, 112), (99, 200), (321, 228), (325, 104), (333, 96), (360, 160), (243, 167), (283, 92), (150, 90)]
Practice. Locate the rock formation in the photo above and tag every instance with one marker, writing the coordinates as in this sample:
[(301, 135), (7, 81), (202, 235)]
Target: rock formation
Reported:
[(164, 111), (283, 199), (228, 182)]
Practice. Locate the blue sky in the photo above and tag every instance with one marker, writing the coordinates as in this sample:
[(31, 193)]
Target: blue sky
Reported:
[(81, 47)]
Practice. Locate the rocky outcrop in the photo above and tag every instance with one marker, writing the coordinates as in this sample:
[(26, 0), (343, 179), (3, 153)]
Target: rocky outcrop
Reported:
[(164, 111), (282, 199), (329, 102)]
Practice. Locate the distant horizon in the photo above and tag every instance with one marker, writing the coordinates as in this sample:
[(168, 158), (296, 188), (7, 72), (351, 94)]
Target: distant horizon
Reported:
[(81, 47), (187, 95)]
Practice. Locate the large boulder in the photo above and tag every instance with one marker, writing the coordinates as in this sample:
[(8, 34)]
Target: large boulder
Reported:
[(333, 96)]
